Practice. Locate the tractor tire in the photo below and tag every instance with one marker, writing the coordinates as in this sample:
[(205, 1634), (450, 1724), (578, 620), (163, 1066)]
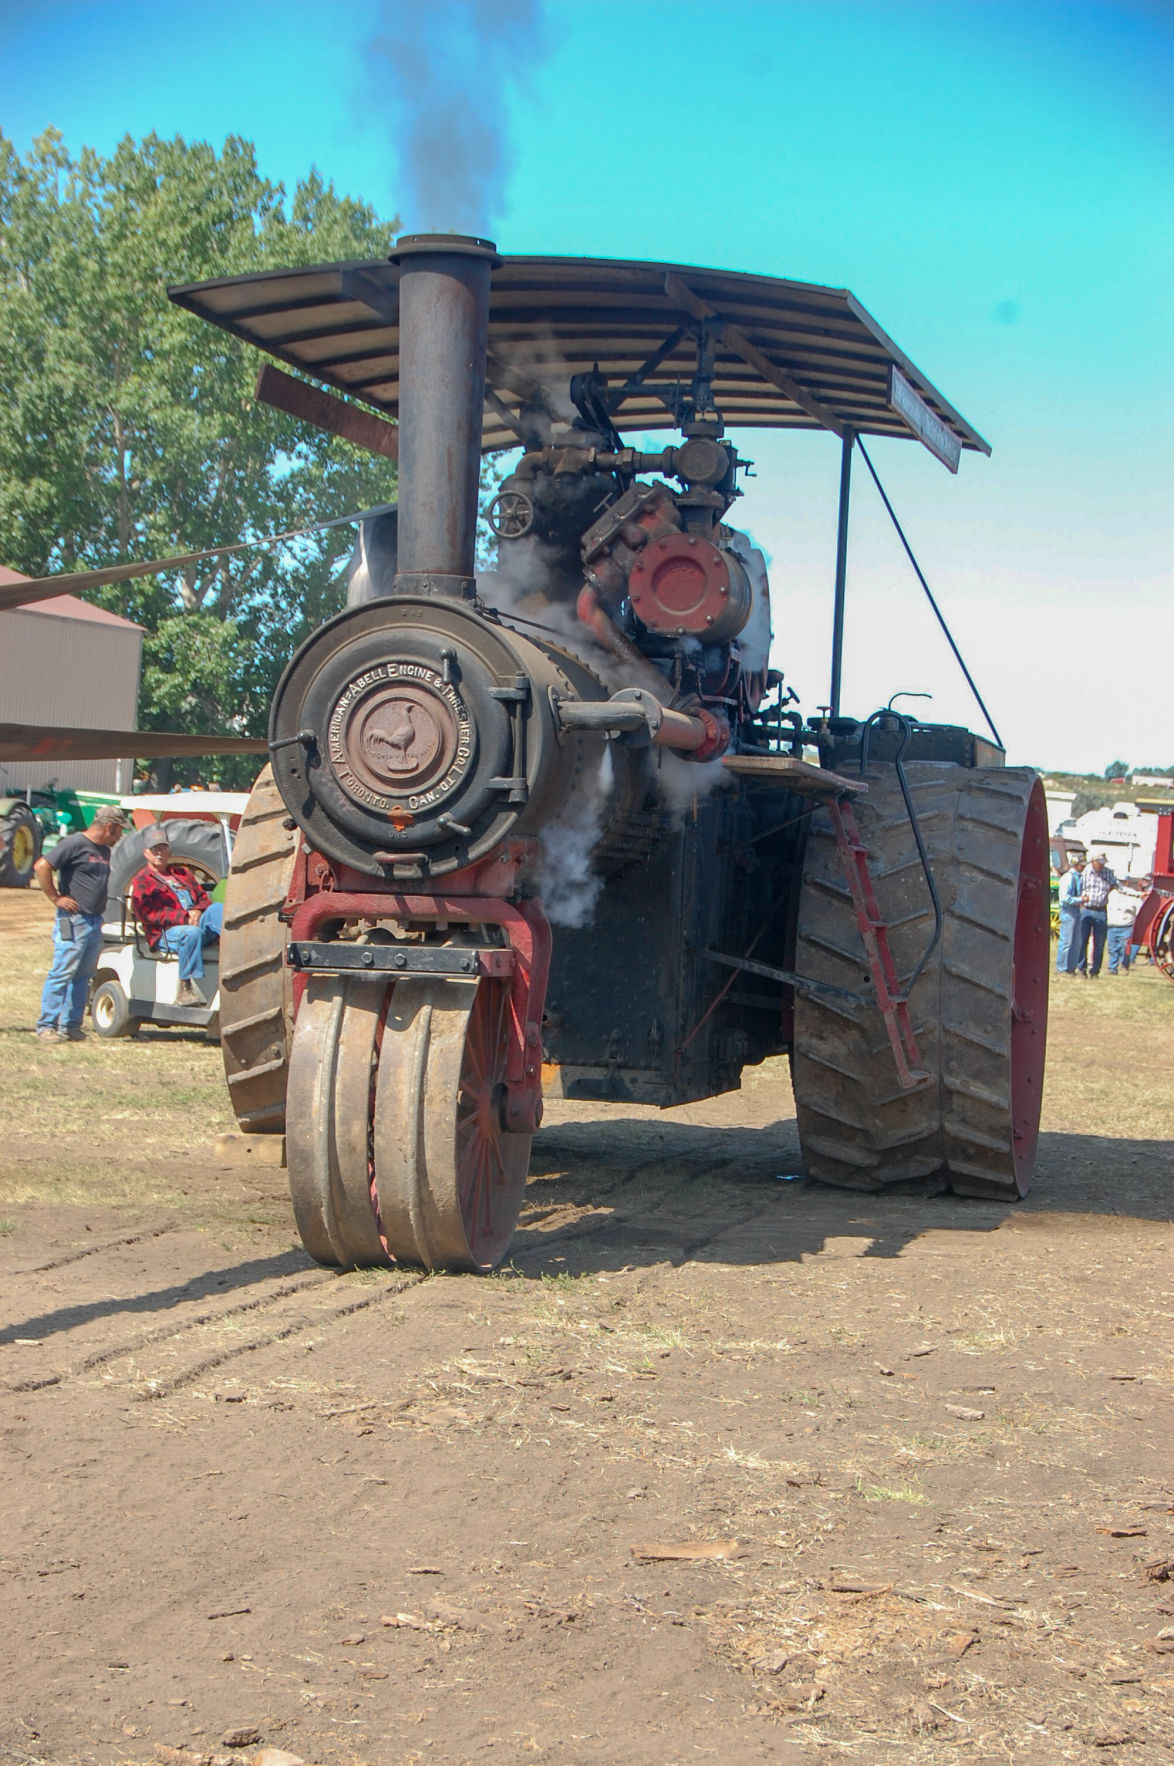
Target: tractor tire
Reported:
[(978, 1009), (256, 1000), (198, 845), (20, 846)]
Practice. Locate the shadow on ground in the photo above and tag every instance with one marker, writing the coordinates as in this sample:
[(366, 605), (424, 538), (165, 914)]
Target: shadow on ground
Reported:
[(214, 1284), (731, 1196), (614, 1195)]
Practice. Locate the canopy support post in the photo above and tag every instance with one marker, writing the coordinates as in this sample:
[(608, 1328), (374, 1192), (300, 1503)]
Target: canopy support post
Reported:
[(847, 443)]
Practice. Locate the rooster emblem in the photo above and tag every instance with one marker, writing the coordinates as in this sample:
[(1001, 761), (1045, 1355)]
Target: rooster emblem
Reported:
[(391, 746)]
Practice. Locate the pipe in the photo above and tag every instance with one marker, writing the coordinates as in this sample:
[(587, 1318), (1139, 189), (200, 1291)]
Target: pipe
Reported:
[(701, 734), (443, 341)]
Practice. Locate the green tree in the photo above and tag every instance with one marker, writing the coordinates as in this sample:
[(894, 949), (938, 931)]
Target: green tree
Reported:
[(128, 428)]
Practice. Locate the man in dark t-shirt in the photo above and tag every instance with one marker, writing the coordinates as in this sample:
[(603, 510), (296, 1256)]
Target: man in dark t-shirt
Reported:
[(82, 864)]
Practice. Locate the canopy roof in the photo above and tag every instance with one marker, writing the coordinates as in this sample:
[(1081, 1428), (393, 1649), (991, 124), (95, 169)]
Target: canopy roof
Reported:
[(787, 355)]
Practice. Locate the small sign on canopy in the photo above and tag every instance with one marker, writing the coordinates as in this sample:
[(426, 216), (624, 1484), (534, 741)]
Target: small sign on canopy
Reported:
[(925, 424)]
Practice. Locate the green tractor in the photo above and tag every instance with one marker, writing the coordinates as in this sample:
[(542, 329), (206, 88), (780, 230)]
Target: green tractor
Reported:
[(33, 821)]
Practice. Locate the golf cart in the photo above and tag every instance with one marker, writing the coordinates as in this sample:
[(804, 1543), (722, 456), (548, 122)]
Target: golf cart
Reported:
[(134, 984)]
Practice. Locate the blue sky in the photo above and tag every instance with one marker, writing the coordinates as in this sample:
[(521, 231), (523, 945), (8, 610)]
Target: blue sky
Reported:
[(994, 182)]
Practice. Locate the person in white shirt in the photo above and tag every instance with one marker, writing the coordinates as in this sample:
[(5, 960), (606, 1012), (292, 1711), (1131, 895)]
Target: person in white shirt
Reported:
[(1121, 909)]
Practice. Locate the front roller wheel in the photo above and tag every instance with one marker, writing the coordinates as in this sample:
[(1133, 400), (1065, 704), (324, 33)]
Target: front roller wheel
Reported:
[(979, 1008), (394, 1137), (328, 1120), (450, 1178)]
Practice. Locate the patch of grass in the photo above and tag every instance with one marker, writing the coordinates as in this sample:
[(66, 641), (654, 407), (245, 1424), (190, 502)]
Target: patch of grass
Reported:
[(98, 1123), (989, 1337), (7, 1225), (891, 1493), (1095, 1031), (564, 1282)]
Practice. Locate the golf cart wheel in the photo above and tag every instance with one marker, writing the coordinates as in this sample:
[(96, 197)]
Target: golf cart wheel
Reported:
[(978, 1008), (110, 1011), (20, 846), (256, 1002)]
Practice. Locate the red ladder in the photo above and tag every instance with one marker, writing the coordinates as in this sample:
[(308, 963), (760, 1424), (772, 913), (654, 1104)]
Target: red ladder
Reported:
[(894, 1005)]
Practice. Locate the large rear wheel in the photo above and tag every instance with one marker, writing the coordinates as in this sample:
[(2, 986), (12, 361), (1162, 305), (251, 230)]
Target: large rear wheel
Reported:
[(979, 1008), (256, 1006)]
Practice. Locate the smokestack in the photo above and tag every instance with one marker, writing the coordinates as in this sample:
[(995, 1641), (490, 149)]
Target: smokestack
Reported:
[(443, 338)]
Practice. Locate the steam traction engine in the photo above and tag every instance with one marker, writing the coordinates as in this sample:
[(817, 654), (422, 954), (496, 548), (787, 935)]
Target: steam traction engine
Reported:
[(560, 818)]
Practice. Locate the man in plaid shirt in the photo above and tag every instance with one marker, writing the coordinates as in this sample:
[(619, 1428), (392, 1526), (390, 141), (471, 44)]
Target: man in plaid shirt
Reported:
[(1094, 918), (176, 912)]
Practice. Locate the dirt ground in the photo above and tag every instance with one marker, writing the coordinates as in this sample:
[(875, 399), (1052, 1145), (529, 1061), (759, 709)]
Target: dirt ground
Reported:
[(376, 1519)]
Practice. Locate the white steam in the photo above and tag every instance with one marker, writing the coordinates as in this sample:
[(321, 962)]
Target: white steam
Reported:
[(518, 589), (683, 784), (567, 880), (537, 360), (449, 69)]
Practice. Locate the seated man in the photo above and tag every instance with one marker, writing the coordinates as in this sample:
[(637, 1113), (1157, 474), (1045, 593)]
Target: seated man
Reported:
[(176, 913)]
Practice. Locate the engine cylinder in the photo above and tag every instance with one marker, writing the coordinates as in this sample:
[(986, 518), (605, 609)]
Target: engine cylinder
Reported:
[(410, 736), (683, 585)]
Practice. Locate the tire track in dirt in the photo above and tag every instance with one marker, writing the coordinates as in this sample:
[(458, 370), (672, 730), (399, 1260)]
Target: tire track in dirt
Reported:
[(145, 1339), (140, 1238), (165, 1387)]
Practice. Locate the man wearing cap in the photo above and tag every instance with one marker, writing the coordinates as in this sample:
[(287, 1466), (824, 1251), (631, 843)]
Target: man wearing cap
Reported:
[(176, 912), (82, 864), (1099, 881)]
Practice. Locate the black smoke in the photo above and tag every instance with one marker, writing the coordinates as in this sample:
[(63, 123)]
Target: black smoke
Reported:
[(447, 70)]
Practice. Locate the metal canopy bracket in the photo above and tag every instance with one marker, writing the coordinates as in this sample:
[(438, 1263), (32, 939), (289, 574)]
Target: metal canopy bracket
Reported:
[(297, 398), (683, 296)]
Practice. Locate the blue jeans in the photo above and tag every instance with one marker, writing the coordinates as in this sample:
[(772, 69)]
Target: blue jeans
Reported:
[(77, 942), (1094, 923), (187, 942), (1066, 951), (1118, 941)]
